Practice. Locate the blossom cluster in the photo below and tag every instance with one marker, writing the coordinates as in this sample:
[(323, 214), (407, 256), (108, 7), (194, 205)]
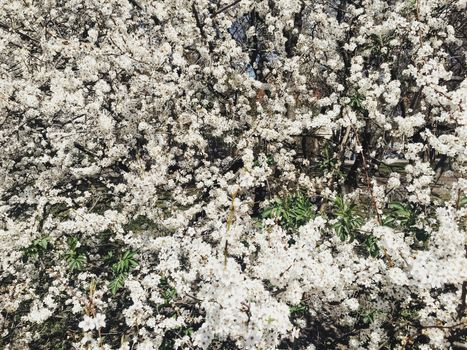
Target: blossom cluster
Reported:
[(233, 174)]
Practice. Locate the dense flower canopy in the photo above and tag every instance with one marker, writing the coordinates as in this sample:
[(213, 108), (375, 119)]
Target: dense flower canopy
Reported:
[(233, 174)]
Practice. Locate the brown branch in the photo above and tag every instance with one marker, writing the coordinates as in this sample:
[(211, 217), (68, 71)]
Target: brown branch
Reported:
[(226, 8), (367, 176), (198, 21), (135, 3), (462, 306)]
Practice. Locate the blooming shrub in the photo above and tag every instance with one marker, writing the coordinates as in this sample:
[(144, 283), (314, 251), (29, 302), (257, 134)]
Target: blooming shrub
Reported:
[(233, 174)]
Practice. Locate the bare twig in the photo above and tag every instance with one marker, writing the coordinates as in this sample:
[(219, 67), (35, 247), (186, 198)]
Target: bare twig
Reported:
[(226, 8), (367, 176)]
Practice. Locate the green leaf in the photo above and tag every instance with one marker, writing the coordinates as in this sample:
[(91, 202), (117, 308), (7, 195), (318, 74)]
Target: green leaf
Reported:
[(125, 263), (292, 212), (371, 245), (300, 308), (75, 262), (168, 292), (42, 242), (396, 206), (72, 243), (117, 283), (388, 221), (348, 220)]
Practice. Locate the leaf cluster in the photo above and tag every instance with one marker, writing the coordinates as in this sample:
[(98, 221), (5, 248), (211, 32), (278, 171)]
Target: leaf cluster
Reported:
[(73, 256), (328, 162), (168, 292), (37, 248), (121, 267), (348, 221), (404, 216), (356, 101), (292, 212)]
